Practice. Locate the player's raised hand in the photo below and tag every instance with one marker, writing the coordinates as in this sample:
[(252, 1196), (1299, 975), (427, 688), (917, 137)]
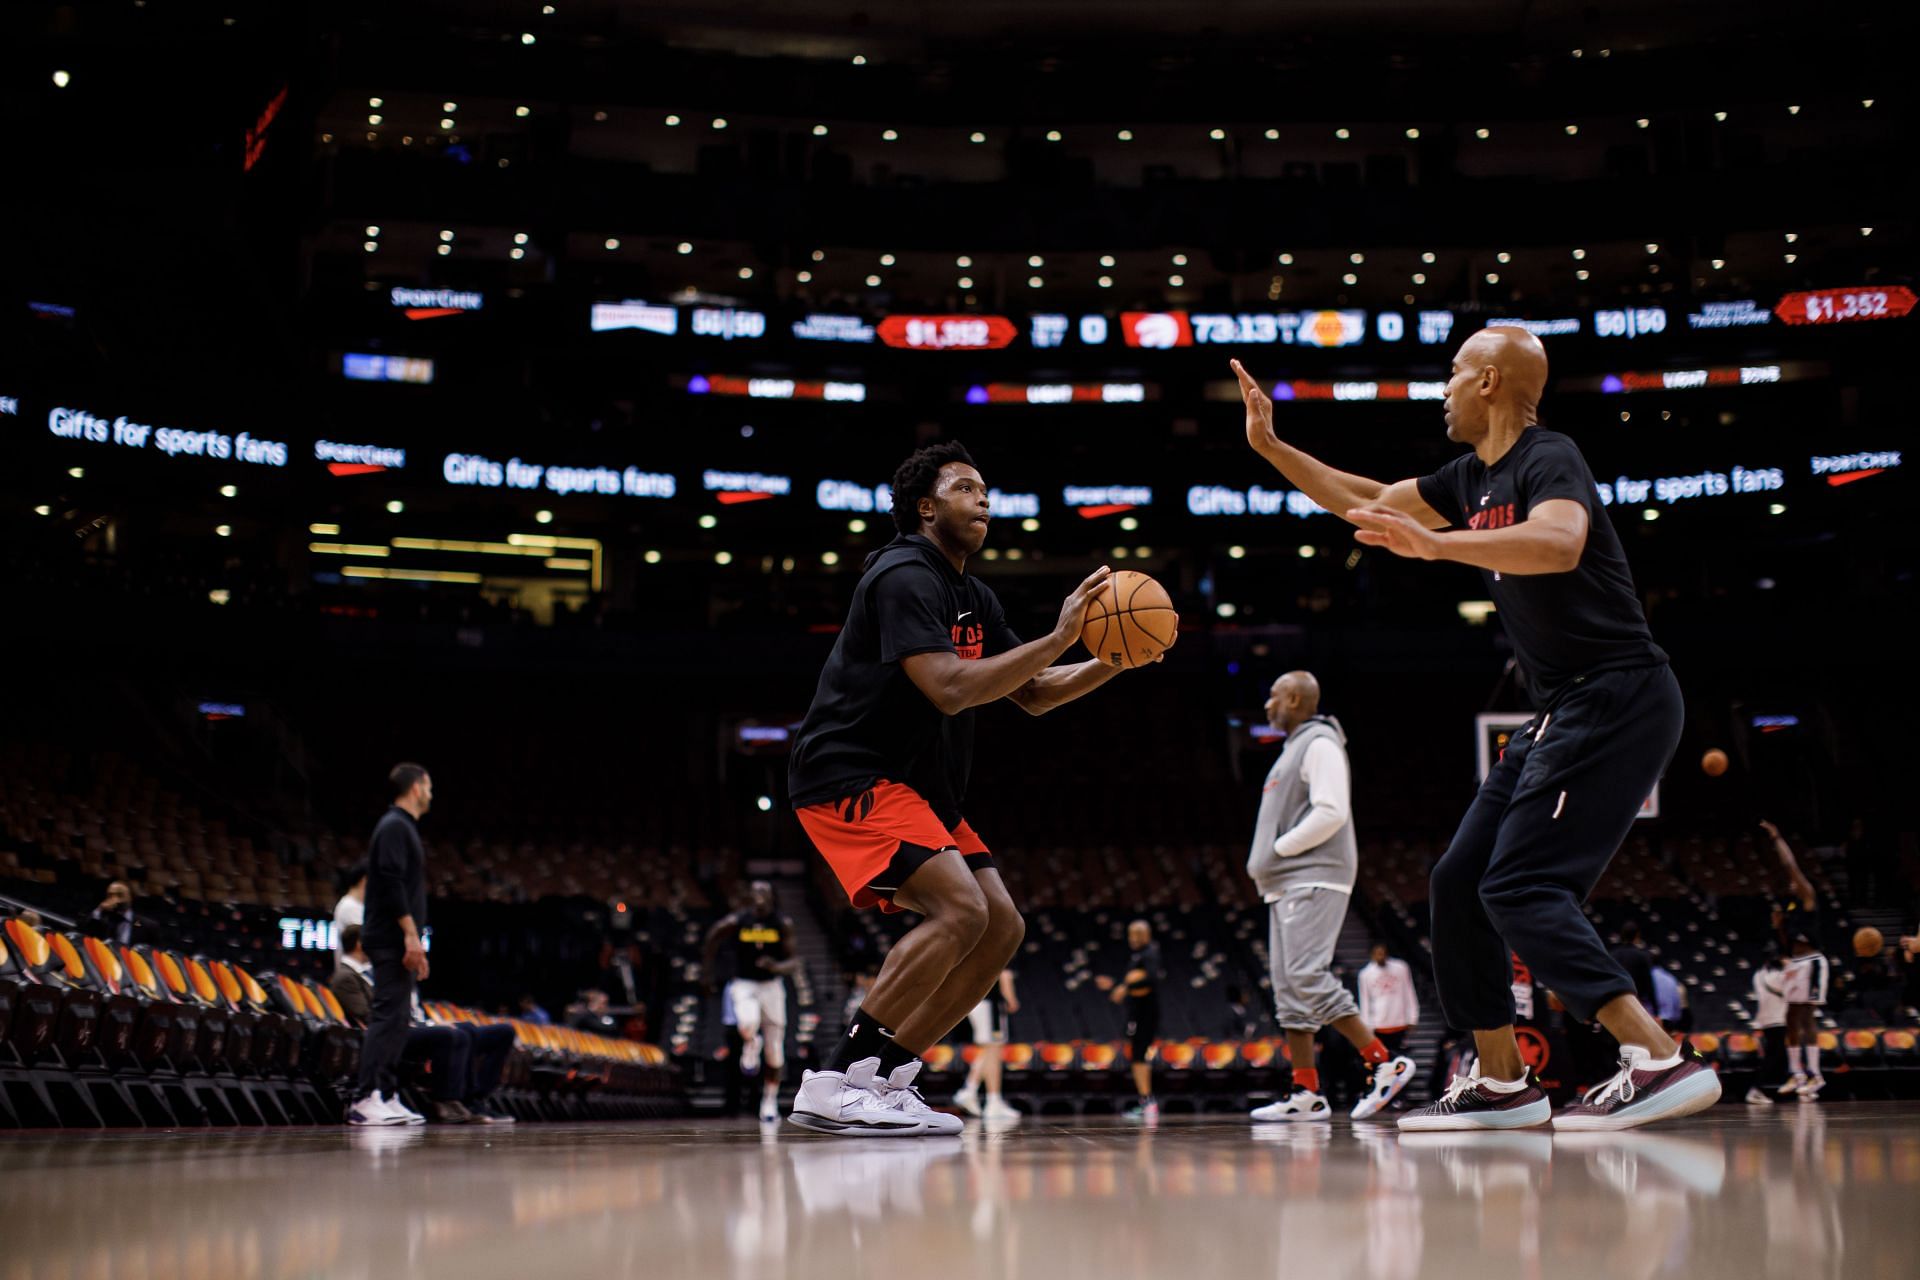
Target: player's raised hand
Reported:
[(1771, 830), (1395, 531), (1259, 411), (1073, 613)]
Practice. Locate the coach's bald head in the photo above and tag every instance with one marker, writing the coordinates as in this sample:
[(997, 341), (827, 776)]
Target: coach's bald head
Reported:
[(1499, 375), (1293, 700)]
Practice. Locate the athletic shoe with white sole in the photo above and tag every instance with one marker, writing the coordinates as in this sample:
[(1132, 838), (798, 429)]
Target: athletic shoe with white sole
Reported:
[(1794, 1084), (407, 1114), (1811, 1089), (1473, 1102), (750, 1056), (374, 1110), (1146, 1111), (997, 1109), (1301, 1104), (968, 1100), (897, 1092), (1757, 1096), (844, 1103), (769, 1108), (1389, 1078), (1636, 1095)]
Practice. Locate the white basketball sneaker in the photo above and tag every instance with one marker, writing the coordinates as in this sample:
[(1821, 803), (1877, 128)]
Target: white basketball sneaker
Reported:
[(1389, 1078), (373, 1110), (1301, 1104), (897, 1092), (845, 1104), (750, 1055), (967, 1098)]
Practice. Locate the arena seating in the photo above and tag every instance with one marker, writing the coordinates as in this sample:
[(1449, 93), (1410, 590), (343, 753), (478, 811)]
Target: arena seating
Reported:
[(93, 1035)]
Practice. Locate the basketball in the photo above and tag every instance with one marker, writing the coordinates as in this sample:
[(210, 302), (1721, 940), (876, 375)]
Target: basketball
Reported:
[(1867, 941), (1714, 763), (1131, 622)]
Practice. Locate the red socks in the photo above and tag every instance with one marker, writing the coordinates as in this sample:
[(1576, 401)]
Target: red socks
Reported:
[(1375, 1052), (1307, 1078)]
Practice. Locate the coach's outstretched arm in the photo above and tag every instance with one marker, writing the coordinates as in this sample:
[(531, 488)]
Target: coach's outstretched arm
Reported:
[(1337, 491), (952, 683)]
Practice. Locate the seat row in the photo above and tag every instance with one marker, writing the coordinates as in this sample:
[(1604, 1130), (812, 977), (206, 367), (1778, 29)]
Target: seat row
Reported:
[(97, 1035)]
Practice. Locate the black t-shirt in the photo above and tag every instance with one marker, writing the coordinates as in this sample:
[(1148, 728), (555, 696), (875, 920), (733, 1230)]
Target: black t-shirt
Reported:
[(868, 721), (1562, 625), (1145, 995), (396, 881), (754, 938)]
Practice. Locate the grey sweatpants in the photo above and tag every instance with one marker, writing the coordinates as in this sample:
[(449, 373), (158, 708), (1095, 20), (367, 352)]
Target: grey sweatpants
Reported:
[(1302, 928)]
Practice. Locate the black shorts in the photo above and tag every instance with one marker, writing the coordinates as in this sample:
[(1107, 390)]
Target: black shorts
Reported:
[(1143, 1028)]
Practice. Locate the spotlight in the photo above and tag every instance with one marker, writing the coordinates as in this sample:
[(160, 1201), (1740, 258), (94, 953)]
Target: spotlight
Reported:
[(819, 131), (1643, 122), (1273, 135), (372, 231), (376, 118), (1493, 277), (1036, 261), (1225, 609), (1719, 263), (1504, 257), (445, 249), (1357, 259), (765, 803), (708, 521), (449, 107), (719, 122), (1129, 524), (1427, 258), (223, 531), (543, 517), (1125, 135), (522, 112), (1218, 135), (1419, 277), (1652, 247), (1349, 278), (859, 59), (526, 37), (963, 262), (1034, 282), (965, 282), (1236, 553), (1413, 134), (1030, 525), (891, 135), (229, 491), (886, 259), (673, 122), (723, 557), (1105, 282), (516, 254), (1285, 259), (829, 558), (1308, 553), (1176, 281), (819, 255), (856, 526), (1579, 255), (1106, 260), (446, 237), (1483, 134), (746, 273), (652, 557), (613, 242), (1581, 274), (1342, 134), (446, 122), (805, 277), (1053, 135), (1572, 129), (873, 282), (976, 138), (395, 507)]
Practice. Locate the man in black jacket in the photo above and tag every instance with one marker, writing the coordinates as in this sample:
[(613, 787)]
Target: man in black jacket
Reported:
[(396, 913)]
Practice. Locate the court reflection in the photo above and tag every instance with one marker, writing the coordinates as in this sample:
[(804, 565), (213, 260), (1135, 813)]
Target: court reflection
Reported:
[(1799, 1193)]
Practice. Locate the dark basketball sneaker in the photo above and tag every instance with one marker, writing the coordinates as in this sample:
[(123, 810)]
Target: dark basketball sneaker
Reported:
[(1635, 1096), (1471, 1102)]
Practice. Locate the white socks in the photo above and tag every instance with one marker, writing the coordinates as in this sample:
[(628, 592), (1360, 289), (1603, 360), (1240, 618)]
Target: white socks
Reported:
[(1793, 1060), (1505, 1086), (1811, 1052), (1661, 1064)]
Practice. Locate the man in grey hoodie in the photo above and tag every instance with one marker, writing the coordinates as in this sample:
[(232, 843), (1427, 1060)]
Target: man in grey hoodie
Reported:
[(1303, 862)]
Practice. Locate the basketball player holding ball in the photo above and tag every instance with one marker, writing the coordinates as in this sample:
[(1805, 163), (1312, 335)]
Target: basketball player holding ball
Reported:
[(878, 779), (1522, 507)]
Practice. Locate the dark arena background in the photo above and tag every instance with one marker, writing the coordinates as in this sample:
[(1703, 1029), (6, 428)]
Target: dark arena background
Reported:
[(515, 388)]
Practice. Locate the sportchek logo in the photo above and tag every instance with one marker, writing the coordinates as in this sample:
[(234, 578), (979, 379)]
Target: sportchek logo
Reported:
[(1848, 467)]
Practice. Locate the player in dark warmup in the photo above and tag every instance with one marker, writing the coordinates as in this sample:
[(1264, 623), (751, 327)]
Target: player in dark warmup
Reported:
[(1139, 987), (879, 777), (763, 957), (1522, 507)]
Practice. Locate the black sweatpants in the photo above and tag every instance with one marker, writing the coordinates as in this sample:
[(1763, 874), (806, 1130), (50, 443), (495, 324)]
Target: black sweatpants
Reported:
[(386, 1037), (1537, 838)]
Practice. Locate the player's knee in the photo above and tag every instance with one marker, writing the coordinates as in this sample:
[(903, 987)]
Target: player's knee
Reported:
[(1006, 930), (964, 916), (1452, 882)]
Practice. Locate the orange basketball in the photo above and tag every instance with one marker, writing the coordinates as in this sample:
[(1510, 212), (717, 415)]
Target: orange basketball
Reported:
[(1714, 763), (1867, 941), (1130, 622)]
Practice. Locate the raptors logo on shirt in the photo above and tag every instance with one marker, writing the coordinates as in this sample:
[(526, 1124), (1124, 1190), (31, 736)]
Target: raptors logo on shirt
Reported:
[(969, 638), (1492, 517)]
